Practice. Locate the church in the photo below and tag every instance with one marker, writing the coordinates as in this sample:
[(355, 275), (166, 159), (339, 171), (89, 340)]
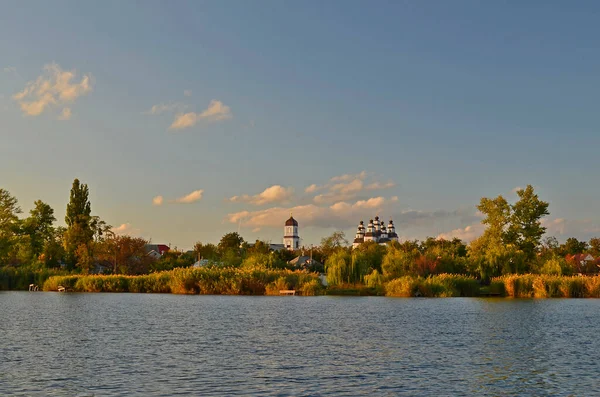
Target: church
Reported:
[(291, 239), (376, 232)]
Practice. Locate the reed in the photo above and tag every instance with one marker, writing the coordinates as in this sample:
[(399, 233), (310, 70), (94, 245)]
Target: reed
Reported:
[(441, 285), (548, 286), (209, 280)]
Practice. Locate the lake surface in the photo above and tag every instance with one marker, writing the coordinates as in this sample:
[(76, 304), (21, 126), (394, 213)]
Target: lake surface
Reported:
[(54, 344)]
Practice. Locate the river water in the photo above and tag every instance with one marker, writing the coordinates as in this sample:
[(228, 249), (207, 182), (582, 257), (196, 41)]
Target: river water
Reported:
[(68, 344)]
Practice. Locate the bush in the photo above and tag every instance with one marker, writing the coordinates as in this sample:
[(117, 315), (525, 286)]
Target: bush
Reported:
[(548, 286)]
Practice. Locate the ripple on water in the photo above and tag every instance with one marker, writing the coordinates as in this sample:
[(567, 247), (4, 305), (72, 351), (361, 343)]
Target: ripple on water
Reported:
[(154, 345)]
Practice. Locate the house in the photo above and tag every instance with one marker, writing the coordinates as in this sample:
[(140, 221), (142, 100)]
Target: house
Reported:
[(584, 263), (305, 262), (272, 247), (102, 267), (155, 251)]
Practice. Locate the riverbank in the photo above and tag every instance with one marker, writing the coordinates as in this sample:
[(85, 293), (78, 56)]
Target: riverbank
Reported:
[(206, 281), (238, 281)]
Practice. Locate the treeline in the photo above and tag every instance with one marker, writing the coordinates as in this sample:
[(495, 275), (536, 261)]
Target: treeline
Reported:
[(512, 243)]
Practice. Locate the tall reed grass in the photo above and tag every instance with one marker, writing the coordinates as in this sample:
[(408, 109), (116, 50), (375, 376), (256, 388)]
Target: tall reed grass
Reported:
[(209, 280), (547, 286), (441, 285)]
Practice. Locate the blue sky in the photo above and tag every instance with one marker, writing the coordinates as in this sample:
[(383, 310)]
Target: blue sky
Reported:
[(415, 110)]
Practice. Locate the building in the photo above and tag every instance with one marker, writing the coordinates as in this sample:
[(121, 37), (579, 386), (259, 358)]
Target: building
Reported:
[(291, 239), (156, 250), (376, 231)]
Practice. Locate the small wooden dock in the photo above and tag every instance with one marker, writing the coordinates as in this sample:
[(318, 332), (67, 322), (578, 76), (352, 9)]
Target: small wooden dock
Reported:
[(287, 292)]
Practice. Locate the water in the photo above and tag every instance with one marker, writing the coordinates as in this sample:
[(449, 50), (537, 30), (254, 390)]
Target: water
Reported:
[(54, 344)]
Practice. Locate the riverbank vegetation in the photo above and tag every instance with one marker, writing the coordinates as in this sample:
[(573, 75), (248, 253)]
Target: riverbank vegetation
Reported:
[(207, 280), (512, 257)]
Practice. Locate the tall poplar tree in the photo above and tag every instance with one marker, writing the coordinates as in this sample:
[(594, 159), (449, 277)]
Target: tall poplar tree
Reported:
[(78, 218)]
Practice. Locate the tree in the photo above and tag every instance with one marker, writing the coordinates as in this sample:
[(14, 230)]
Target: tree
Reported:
[(399, 261), (78, 220), (339, 268), (525, 228), (230, 241), (573, 247), (39, 226), (9, 210), (332, 243), (594, 247), (206, 251)]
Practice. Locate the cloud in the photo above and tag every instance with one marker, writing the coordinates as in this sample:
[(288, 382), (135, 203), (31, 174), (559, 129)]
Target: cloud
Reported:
[(380, 185), (346, 187), (127, 229), (166, 108), (65, 114), (55, 87), (216, 111), (273, 194), (256, 230), (187, 92), (10, 69), (339, 215), (466, 234), (516, 189), (190, 198), (311, 189), (158, 200), (349, 177)]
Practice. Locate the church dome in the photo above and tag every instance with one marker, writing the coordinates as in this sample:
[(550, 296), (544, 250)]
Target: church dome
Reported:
[(291, 222)]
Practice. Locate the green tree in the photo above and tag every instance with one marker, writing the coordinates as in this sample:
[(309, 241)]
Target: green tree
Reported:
[(39, 226), (573, 247), (330, 244), (78, 220), (9, 221), (525, 228), (206, 251), (230, 242), (399, 261), (339, 268), (594, 245)]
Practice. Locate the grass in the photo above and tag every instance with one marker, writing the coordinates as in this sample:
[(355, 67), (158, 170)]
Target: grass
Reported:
[(547, 286), (209, 281), (441, 285)]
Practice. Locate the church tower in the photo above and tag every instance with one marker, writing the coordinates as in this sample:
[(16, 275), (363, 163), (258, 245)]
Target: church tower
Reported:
[(291, 239)]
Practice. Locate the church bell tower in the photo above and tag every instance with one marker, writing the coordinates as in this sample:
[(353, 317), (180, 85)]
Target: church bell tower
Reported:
[(291, 240)]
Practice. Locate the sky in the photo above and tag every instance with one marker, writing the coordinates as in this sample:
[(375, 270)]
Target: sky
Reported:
[(189, 120)]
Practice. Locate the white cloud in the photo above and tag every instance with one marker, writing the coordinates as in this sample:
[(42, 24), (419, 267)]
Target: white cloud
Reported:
[(311, 189), (53, 88), (466, 234), (187, 92), (272, 194), (127, 229), (10, 69), (346, 187), (190, 198), (216, 111), (341, 214), (65, 114), (380, 185), (348, 177), (166, 108), (158, 200)]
